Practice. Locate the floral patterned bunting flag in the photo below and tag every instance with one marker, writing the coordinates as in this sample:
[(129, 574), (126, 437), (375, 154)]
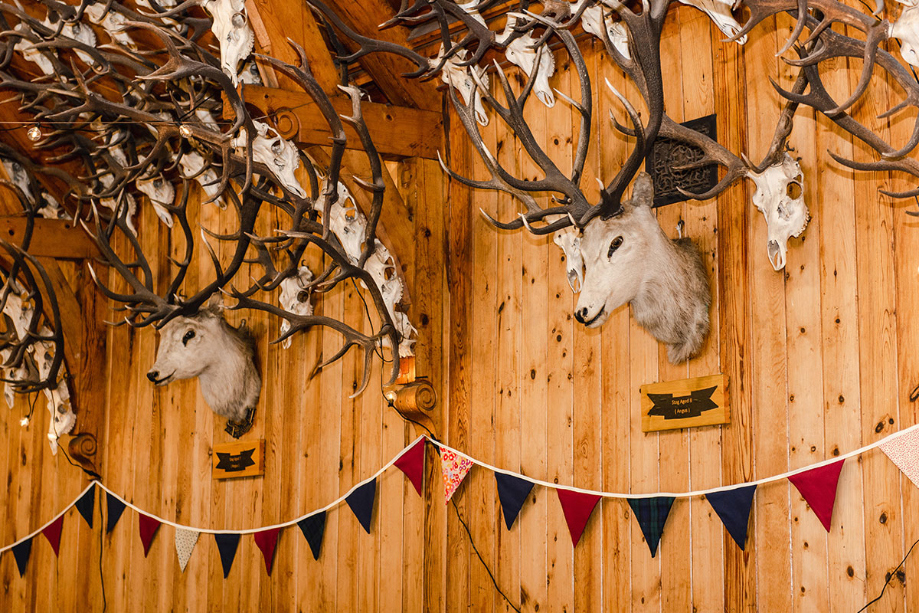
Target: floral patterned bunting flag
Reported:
[(904, 452), (455, 468)]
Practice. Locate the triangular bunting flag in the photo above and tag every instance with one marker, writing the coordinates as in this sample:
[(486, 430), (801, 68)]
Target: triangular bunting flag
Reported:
[(455, 468), (818, 486), (577, 508), (87, 504), (266, 541), (21, 552), (651, 514), (52, 532), (312, 528), (412, 464), (904, 452), (226, 545), (733, 507), (148, 528), (185, 543), (115, 509), (513, 492), (361, 503)]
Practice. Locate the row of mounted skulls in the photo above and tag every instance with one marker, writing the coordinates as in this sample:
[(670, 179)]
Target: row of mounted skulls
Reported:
[(231, 28)]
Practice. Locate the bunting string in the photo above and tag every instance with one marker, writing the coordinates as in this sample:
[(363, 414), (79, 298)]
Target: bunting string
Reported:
[(446, 448)]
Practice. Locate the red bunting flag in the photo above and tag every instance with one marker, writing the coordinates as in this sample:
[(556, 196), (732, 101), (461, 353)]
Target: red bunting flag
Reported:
[(148, 528), (818, 486), (577, 508), (53, 533), (412, 464), (266, 541)]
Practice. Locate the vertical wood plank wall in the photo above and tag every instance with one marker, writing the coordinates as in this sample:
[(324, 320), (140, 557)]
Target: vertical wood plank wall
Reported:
[(820, 359)]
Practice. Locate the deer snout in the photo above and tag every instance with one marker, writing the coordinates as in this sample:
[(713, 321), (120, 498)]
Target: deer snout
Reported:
[(580, 315), (153, 375)]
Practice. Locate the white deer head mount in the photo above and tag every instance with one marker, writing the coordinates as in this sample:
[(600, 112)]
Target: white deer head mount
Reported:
[(629, 259), (521, 53), (906, 29), (295, 298), (780, 198), (231, 29), (278, 154), (161, 194), (460, 77), (221, 356)]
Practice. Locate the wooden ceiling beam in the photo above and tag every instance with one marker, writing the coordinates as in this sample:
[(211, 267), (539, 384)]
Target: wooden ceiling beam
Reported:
[(397, 132), (387, 69), (51, 238)]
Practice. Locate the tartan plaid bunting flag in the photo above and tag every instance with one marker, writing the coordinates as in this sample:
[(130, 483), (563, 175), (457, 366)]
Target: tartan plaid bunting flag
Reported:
[(651, 514), (513, 492), (226, 545), (312, 528), (904, 452), (115, 508), (577, 508), (818, 487), (266, 541), (87, 504), (733, 507), (21, 552), (412, 464), (52, 532), (148, 527), (361, 503)]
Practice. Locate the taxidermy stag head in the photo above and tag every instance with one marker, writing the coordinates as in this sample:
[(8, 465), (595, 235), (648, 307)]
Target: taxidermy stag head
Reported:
[(205, 346), (629, 259)]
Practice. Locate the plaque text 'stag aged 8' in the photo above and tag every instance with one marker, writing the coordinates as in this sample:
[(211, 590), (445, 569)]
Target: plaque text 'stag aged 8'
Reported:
[(702, 401)]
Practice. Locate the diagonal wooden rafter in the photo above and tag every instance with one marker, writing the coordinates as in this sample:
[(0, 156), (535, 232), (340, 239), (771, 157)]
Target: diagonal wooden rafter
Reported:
[(385, 69)]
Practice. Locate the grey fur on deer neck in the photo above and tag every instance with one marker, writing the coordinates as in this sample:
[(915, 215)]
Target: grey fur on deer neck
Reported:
[(230, 387), (668, 302)]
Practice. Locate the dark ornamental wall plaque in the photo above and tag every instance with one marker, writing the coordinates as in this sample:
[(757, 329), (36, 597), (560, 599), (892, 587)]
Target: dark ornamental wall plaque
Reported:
[(666, 154)]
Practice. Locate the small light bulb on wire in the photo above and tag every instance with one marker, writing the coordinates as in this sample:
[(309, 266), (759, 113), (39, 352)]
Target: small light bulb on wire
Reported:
[(185, 131), (34, 134), (24, 421)]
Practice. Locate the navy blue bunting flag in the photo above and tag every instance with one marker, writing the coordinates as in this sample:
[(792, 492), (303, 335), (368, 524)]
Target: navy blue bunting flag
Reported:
[(733, 507), (513, 492), (651, 514), (115, 509), (226, 545), (313, 528), (361, 503), (87, 504), (21, 552)]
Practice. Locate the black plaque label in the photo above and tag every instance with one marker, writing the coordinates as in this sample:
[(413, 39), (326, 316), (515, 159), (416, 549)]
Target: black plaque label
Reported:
[(669, 406)]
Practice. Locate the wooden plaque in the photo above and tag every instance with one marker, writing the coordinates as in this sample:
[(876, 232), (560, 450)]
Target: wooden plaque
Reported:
[(239, 459), (702, 401)]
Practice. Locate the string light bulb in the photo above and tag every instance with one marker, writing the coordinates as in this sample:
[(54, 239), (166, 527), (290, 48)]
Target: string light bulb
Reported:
[(34, 133), (24, 422), (185, 131)]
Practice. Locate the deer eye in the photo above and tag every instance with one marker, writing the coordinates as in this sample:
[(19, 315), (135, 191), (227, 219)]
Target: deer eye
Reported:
[(617, 242), (188, 336)]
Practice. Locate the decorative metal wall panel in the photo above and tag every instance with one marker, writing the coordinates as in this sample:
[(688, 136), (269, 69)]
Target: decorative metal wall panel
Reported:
[(668, 154)]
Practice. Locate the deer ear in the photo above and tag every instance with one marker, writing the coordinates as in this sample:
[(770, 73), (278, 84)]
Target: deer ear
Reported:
[(642, 191), (215, 303)]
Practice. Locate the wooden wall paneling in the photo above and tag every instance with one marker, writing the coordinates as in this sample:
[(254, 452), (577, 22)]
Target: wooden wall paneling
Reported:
[(905, 240), (371, 429), (616, 391), (493, 390), (587, 365), (705, 528), (830, 196), (676, 546), (804, 336), (877, 356), (459, 278), (731, 98)]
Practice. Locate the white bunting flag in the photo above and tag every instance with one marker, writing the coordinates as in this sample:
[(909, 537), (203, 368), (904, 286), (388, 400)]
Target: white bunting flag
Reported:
[(185, 542), (904, 452)]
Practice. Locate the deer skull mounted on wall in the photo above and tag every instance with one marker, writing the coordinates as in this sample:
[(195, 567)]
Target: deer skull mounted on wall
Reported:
[(779, 197)]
